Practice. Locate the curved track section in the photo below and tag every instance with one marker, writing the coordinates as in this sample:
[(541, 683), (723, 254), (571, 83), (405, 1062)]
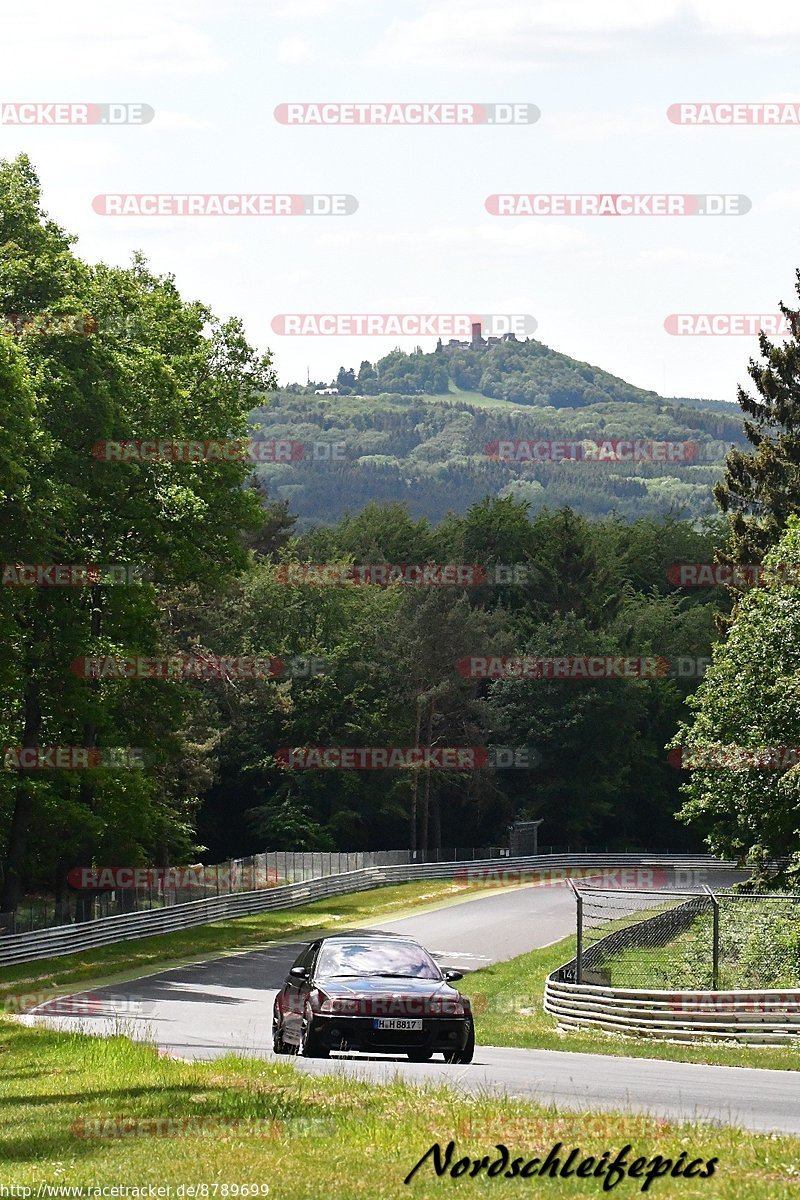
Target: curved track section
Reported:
[(213, 1008)]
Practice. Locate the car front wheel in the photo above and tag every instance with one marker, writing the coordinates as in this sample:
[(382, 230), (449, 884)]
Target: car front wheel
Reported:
[(310, 1045), (278, 1044), (467, 1054)]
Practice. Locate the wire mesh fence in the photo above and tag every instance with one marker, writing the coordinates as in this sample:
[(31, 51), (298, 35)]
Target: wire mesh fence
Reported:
[(685, 940), (98, 892)]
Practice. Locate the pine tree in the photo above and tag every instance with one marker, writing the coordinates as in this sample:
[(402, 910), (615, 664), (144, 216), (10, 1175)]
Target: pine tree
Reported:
[(760, 490)]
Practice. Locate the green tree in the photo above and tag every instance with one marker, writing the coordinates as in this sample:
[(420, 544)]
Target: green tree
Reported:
[(346, 380), (147, 371), (760, 489), (367, 379), (750, 699)]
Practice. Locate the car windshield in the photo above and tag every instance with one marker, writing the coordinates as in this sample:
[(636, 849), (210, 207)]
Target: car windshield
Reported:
[(403, 960)]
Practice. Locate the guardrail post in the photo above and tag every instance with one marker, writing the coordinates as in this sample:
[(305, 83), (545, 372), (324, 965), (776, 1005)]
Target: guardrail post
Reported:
[(714, 938), (578, 933)]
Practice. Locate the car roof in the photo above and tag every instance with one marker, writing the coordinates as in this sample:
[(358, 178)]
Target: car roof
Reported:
[(350, 934)]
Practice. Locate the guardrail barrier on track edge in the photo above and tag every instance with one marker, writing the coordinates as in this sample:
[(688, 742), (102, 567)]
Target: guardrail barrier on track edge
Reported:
[(70, 939)]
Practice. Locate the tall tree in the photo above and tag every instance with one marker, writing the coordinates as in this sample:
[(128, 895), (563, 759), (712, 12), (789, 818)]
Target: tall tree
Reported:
[(147, 369), (749, 700), (760, 489)]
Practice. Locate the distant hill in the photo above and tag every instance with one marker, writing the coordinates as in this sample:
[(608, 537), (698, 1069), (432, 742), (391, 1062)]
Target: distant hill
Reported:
[(426, 429)]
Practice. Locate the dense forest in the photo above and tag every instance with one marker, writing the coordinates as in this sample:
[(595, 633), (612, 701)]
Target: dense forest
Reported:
[(392, 678), (218, 568), (423, 429), (524, 372)]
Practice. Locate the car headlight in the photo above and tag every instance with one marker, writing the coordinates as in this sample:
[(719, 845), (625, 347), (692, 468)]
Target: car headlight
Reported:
[(444, 1006), (342, 1006)]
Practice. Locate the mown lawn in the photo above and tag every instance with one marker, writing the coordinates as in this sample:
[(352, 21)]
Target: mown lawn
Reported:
[(73, 1112)]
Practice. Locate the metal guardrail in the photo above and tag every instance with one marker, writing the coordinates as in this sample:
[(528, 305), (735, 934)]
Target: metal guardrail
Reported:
[(70, 939), (767, 1017)]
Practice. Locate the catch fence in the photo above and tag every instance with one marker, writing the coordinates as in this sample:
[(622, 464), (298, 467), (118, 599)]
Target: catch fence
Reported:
[(144, 889), (684, 940), (78, 937)]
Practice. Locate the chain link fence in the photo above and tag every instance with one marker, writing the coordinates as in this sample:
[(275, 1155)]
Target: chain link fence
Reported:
[(141, 889), (681, 940)]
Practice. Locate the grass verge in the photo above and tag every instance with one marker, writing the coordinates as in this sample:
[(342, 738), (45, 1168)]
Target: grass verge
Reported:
[(67, 1098), (508, 1005)]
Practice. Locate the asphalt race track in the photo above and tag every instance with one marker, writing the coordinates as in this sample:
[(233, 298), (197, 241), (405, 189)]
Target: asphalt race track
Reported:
[(225, 1005)]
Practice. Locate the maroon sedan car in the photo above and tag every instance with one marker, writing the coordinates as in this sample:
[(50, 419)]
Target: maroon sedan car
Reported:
[(374, 992)]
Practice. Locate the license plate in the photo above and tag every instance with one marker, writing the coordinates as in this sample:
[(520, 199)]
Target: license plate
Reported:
[(396, 1023)]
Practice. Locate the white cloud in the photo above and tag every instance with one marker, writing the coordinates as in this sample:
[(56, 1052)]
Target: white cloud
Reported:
[(589, 126), (296, 50), (783, 198), (502, 236), (167, 119), (304, 10), (48, 41), (675, 256), (465, 33)]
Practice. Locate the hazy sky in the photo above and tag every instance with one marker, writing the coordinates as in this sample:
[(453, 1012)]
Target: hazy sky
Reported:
[(602, 72)]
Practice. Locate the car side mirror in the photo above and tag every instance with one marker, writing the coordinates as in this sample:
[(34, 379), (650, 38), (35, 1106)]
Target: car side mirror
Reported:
[(298, 973), (451, 975)]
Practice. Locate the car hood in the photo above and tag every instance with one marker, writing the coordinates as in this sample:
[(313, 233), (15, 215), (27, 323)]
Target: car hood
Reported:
[(385, 985)]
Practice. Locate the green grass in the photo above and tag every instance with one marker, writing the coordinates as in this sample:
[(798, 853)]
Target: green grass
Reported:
[(759, 948), (508, 1006), (128, 960), (476, 399), (251, 1122)]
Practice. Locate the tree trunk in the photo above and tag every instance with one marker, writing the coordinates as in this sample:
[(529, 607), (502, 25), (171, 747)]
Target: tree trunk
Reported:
[(414, 788), (17, 843), (436, 822), (427, 794), (86, 790)]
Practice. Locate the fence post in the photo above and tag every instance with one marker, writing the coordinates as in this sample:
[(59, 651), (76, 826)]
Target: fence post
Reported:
[(714, 939), (578, 933)]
